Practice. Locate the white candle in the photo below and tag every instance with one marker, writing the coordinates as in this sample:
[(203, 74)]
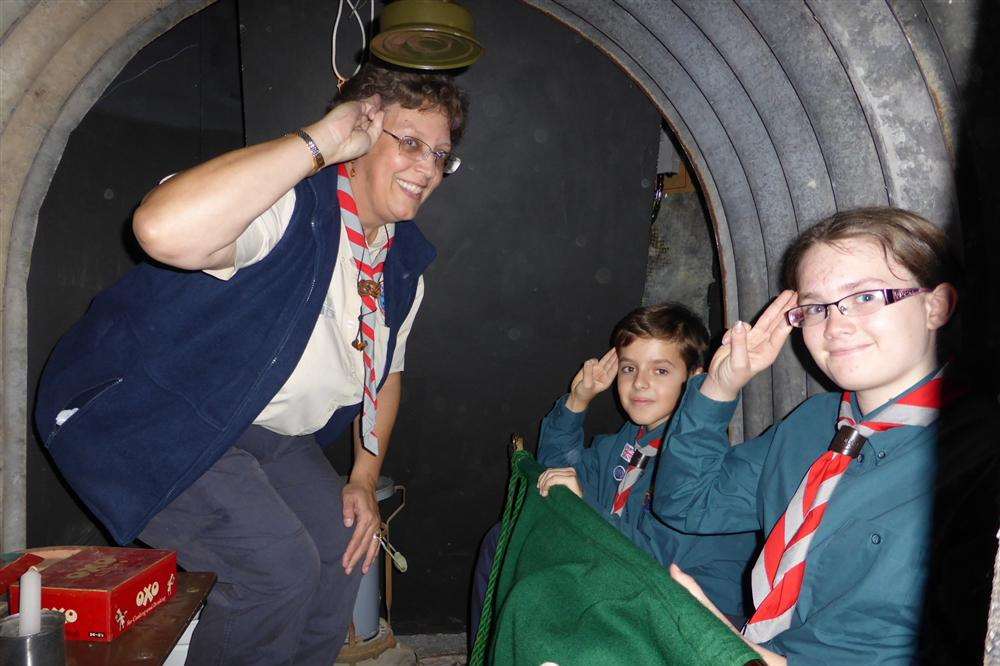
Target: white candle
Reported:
[(30, 608)]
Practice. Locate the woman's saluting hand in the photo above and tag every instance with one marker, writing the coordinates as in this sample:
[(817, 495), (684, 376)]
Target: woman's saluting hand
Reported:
[(349, 130), (746, 350)]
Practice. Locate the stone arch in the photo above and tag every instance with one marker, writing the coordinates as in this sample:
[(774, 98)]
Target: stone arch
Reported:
[(57, 60), (789, 112)]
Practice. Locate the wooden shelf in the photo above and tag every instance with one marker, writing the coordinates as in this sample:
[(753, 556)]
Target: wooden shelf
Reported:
[(150, 641)]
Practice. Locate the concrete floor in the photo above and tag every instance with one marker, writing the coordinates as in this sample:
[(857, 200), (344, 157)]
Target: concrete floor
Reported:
[(423, 649)]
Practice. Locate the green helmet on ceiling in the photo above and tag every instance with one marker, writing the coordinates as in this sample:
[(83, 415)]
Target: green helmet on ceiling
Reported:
[(427, 34)]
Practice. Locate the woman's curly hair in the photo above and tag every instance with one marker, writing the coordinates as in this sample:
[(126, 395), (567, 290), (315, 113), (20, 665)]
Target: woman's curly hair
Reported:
[(411, 90)]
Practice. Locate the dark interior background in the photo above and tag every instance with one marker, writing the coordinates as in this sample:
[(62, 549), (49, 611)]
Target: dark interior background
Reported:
[(177, 103), (542, 240), (977, 172)]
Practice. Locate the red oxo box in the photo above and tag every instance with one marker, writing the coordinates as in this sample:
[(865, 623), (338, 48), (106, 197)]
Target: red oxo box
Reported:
[(104, 591)]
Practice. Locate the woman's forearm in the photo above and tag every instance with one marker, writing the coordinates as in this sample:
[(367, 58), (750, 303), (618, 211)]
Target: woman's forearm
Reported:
[(193, 219), (366, 466)]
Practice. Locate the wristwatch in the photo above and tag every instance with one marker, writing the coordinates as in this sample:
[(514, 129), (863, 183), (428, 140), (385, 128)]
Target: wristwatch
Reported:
[(318, 161)]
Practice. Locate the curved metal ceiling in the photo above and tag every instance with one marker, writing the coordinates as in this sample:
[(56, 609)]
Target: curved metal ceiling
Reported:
[(789, 111)]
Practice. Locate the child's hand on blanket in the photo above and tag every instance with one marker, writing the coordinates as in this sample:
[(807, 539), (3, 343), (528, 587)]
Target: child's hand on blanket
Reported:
[(594, 377), (692, 586), (559, 476)]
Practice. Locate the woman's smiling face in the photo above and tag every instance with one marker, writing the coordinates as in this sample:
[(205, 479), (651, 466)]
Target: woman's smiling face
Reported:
[(878, 355), (390, 187)]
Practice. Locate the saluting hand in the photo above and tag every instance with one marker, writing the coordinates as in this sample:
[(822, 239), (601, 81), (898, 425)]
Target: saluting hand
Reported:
[(349, 130), (594, 377), (746, 350)]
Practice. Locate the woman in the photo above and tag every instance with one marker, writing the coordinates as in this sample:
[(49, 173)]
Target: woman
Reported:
[(186, 406)]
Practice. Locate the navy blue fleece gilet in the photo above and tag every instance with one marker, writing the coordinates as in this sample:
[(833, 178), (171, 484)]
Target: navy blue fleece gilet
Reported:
[(167, 367)]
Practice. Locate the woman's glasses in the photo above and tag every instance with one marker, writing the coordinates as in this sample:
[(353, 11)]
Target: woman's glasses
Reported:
[(855, 305), (415, 149)]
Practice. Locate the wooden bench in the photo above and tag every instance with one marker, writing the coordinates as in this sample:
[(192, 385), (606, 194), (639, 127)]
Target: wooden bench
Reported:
[(150, 641)]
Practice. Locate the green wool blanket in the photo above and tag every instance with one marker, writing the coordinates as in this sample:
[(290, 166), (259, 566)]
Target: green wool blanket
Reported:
[(567, 588)]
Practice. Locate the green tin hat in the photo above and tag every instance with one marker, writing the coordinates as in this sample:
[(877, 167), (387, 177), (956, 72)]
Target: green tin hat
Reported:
[(427, 34)]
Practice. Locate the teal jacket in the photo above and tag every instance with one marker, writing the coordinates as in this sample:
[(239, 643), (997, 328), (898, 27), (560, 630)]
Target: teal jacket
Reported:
[(717, 562), (862, 599)]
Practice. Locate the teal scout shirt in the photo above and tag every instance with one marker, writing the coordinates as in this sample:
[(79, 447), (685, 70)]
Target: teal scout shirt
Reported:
[(861, 598), (717, 562)]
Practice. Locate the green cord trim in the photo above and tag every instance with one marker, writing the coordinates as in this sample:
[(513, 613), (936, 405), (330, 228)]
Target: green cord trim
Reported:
[(512, 509)]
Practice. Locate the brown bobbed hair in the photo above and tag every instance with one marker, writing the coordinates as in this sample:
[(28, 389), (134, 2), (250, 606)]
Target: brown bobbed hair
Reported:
[(411, 90), (669, 322), (910, 240)]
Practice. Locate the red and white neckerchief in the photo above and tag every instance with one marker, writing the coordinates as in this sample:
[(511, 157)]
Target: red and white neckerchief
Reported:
[(370, 267), (777, 576), (638, 458)]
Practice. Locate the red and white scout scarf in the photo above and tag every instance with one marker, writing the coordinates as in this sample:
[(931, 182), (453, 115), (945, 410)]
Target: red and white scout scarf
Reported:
[(777, 576), (370, 268), (637, 457)]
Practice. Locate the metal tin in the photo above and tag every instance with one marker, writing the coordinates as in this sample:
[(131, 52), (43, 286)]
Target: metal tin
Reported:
[(46, 648), (427, 34)]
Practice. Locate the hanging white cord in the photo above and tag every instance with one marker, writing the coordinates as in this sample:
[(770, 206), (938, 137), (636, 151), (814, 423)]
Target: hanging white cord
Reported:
[(364, 35)]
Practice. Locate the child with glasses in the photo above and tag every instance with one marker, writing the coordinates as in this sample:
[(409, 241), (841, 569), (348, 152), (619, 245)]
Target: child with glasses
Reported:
[(879, 501)]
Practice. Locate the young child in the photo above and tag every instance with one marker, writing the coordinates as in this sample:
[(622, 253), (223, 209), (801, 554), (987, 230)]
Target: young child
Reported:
[(879, 546), (656, 350)]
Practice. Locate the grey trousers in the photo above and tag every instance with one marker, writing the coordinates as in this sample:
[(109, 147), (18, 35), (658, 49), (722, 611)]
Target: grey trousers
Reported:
[(267, 519)]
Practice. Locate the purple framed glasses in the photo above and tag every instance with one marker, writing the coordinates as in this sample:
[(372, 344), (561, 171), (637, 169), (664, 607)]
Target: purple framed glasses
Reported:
[(855, 305)]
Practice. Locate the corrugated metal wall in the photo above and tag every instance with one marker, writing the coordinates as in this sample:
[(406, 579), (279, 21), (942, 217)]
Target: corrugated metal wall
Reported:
[(789, 111)]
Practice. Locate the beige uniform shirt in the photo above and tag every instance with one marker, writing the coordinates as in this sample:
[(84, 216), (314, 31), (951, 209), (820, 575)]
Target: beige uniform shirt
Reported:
[(329, 374)]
